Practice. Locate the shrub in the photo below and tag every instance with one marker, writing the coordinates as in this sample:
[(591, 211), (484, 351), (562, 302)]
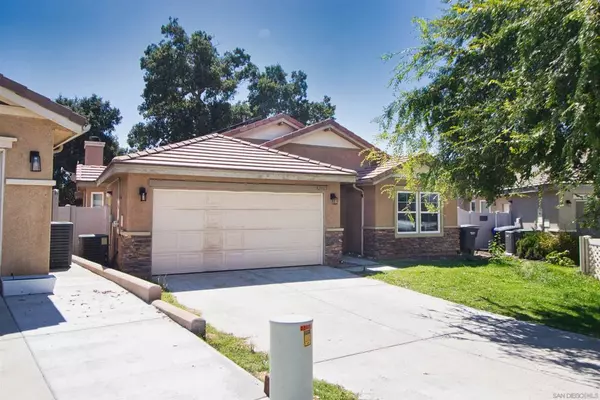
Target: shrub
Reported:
[(568, 242), (560, 258), (554, 248), (536, 245)]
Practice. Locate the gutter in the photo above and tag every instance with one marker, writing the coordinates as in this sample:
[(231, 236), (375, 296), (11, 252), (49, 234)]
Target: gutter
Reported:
[(362, 219)]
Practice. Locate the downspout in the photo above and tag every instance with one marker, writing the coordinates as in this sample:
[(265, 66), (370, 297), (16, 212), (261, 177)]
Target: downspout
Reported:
[(362, 219)]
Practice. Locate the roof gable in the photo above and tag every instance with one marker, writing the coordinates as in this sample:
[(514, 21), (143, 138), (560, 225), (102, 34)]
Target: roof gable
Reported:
[(328, 125), (325, 138), (246, 130)]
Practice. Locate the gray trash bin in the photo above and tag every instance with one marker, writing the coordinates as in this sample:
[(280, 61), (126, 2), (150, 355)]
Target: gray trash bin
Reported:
[(502, 231), (468, 233)]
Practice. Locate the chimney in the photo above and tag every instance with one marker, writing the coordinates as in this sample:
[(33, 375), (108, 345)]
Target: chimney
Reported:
[(94, 151)]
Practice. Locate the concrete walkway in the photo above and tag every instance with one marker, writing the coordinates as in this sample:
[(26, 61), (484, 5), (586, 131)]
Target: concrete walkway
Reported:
[(389, 343), (93, 340)]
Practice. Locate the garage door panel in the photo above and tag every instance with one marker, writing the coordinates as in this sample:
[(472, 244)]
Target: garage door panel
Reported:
[(196, 231), (293, 239), (168, 219)]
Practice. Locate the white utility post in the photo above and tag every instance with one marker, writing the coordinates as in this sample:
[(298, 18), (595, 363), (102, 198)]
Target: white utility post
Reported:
[(291, 358)]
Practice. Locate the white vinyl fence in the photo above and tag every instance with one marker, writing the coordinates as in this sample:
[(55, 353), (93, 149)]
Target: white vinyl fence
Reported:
[(589, 256), (86, 220), (486, 221)]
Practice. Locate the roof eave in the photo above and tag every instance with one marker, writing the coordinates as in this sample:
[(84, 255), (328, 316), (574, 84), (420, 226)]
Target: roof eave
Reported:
[(133, 168)]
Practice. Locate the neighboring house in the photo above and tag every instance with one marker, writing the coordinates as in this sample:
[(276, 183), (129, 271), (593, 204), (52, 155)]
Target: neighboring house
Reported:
[(32, 128), (265, 194), (87, 173), (539, 205)]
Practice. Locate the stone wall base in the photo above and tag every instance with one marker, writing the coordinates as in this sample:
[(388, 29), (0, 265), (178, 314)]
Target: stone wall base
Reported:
[(333, 247), (383, 244), (135, 255)]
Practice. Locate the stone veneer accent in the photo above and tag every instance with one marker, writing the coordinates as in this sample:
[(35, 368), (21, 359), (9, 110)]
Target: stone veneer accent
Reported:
[(333, 247), (382, 244), (135, 255)]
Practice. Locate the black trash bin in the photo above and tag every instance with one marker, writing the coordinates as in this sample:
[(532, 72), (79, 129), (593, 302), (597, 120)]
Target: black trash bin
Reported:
[(502, 231), (512, 237), (468, 233)]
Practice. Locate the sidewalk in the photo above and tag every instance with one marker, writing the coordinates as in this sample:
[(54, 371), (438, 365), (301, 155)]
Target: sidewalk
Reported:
[(93, 340)]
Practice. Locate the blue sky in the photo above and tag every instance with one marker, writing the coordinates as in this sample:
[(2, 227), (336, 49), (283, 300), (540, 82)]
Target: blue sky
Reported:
[(80, 47)]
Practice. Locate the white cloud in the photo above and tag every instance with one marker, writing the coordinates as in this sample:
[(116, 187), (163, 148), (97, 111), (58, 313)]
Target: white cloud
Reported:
[(264, 33)]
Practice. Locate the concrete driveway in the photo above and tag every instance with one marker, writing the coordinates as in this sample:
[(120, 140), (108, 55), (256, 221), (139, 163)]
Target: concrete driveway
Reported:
[(93, 340), (385, 342)]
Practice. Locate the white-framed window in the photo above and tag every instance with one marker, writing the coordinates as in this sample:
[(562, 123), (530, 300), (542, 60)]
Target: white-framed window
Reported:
[(418, 212), (97, 199), (473, 206)]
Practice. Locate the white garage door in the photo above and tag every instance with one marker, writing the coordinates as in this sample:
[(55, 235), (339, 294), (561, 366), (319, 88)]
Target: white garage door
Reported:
[(206, 230)]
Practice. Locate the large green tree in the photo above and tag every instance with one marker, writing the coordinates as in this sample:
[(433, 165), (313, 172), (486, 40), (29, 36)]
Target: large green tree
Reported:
[(190, 90), (270, 92), (189, 87), (103, 118), (509, 89)]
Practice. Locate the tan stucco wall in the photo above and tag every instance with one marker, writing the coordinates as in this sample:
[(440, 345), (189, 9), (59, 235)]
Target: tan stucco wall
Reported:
[(137, 215), (347, 158), (380, 208), (26, 231), (32, 135), (27, 209)]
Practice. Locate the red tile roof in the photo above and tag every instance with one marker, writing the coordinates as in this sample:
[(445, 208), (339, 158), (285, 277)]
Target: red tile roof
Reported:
[(291, 121), (88, 173), (217, 151)]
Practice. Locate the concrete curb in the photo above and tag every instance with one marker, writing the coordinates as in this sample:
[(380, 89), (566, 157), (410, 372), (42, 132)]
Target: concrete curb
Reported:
[(145, 290), (189, 321)]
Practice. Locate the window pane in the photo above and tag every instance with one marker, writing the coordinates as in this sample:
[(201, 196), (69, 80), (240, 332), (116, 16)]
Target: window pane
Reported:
[(97, 200), (429, 222), (407, 202), (407, 222), (429, 202)]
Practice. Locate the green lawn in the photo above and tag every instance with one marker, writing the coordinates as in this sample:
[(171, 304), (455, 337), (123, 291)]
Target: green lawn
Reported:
[(527, 290), (255, 362)]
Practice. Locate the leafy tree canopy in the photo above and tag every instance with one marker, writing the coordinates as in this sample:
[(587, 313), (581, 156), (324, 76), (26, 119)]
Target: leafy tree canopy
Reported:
[(190, 90), (103, 118), (270, 93), (512, 89)]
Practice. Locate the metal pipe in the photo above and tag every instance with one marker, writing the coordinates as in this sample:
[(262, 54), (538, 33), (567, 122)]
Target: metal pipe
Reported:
[(362, 219)]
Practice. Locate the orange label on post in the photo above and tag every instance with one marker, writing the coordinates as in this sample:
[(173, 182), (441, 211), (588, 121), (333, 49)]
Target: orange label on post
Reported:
[(305, 327), (307, 338)]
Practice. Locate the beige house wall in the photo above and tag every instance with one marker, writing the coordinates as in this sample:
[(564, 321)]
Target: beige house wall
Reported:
[(27, 208), (137, 214)]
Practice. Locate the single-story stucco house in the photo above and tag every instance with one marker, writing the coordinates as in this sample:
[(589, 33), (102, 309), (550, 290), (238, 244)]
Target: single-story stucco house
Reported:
[(32, 129), (266, 193)]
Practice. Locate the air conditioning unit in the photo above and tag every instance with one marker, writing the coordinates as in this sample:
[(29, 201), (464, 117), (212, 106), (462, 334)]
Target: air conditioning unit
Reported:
[(94, 247), (61, 244)]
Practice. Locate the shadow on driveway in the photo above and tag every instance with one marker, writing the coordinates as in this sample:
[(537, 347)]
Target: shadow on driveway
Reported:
[(251, 277)]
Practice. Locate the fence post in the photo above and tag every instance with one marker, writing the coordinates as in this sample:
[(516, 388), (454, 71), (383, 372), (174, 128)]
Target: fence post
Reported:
[(584, 253), (54, 205), (73, 219)]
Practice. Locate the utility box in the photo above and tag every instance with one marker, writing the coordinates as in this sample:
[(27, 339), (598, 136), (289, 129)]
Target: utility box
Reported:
[(61, 244), (291, 358), (94, 247)]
